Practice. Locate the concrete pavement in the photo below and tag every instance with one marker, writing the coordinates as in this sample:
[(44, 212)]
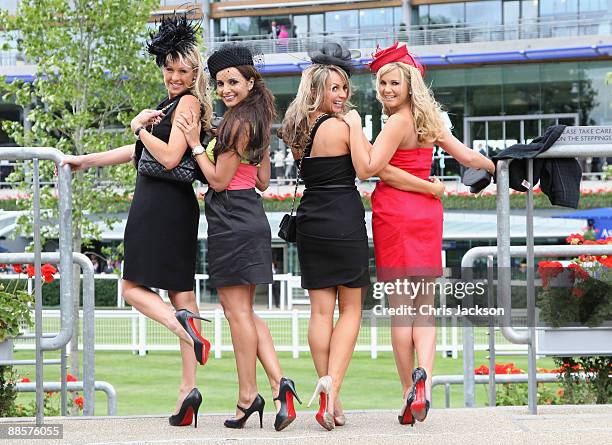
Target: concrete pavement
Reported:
[(503, 425)]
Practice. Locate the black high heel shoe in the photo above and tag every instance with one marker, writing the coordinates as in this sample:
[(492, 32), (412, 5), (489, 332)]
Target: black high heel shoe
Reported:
[(406, 417), (257, 406), (201, 346), (286, 414), (189, 410), (420, 405)]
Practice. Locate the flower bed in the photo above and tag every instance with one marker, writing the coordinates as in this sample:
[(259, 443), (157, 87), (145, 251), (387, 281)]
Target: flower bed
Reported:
[(590, 198)]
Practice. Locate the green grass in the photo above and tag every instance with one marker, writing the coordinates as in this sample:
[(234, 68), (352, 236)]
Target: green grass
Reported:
[(149, 384)]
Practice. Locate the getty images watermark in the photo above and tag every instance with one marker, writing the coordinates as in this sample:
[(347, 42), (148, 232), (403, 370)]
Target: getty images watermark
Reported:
[(406, 291)]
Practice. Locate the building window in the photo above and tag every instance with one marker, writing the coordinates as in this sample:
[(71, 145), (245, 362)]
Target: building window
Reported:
[(341, 21), (559, 9), (447, 13), (512, 12), (487, 12)]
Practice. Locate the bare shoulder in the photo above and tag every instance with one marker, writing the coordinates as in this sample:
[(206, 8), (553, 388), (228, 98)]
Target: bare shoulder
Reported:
[(399, 120), (334, 127), (189, 101)]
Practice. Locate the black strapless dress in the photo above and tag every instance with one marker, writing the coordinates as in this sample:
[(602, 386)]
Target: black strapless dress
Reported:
[(332, 240)]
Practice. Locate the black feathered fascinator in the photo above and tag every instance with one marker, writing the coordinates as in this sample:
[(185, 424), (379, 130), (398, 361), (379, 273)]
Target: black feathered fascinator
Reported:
[(332, 53), (175, 35)]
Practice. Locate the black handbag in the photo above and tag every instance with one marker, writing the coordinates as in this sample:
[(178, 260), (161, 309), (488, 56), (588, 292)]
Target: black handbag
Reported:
[(288, 225), (186, 171), (476, 178)]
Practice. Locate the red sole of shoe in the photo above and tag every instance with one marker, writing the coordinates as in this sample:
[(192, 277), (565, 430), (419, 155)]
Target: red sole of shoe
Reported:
[(188, 418), (204, 341), (290, 407), (418, 407), (406, 417), (322, 407)]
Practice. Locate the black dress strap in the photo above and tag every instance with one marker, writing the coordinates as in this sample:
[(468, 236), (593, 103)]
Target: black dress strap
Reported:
[(313, 131)]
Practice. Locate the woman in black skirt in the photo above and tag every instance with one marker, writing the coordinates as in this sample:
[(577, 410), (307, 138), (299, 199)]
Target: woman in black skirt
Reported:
[(239, 242), (162, 227), (332, 240)]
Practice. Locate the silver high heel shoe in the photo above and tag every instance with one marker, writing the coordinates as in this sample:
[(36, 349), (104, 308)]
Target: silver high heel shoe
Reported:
[(324, 387)]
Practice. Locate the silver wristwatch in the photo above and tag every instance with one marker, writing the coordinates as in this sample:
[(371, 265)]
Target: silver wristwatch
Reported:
[(198, 150)]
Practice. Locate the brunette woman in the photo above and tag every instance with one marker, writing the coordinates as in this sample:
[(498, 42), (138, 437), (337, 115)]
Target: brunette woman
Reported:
[(239, 240)]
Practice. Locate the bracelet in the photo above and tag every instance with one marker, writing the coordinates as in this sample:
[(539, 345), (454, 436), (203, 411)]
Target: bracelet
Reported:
[(138, 130)]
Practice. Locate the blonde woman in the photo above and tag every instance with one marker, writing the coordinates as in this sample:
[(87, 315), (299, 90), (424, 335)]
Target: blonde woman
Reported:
[(332, 241), (162, 227), (407, 226)]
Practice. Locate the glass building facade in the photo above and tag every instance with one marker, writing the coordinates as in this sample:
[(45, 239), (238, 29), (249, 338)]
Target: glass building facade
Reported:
[(370, 20), (493, 90)]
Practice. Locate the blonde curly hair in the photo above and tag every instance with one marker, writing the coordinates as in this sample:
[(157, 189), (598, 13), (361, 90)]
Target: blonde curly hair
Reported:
[(425, 109), (311, 93)]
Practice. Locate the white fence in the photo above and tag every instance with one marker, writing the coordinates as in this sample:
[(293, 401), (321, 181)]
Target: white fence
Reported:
[(125, 329)]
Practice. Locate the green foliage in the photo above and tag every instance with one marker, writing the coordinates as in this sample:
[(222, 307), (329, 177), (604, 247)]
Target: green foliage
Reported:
[(583, 296), (8, 394), (517, 394), (596, 387), (14, 309), (91, 78)]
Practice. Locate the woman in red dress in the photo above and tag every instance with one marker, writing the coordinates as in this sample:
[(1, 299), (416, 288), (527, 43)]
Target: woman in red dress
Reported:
[(407, 226)]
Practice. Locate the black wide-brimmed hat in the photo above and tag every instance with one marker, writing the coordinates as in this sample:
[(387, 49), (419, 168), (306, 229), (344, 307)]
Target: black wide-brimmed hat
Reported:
[(229, 55), (332, 53)]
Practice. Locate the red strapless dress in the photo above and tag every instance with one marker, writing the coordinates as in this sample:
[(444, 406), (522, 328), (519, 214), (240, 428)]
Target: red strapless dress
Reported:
[(407, 226)]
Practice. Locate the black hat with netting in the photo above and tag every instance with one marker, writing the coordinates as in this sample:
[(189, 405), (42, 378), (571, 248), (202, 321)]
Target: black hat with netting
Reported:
[(229, 55)]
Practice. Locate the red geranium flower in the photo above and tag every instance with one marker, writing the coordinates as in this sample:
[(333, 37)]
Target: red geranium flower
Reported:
[(548, 270), (605, 260), (30, 270), (577, 292), (18, 268), (25, 380), (79, 402), (575, 238), (71, 378), (482, 370), (578, 272)]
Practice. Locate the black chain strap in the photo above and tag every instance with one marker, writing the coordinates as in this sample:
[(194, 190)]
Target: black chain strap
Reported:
[(313, 129)]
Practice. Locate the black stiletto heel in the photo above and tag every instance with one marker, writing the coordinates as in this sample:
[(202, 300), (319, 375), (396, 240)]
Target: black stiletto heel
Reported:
[(257, 406), (189, 410), (201, 346), (286, 414)]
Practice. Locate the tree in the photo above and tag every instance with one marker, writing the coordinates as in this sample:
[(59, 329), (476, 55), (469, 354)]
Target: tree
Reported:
[(92, 77)]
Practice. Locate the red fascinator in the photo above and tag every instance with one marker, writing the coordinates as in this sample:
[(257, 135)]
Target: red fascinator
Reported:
[(395, 53)]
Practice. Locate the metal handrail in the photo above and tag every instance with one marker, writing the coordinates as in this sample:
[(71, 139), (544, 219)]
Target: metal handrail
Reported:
[(111, 394), (504, 251), (88, 316), (65, 256)]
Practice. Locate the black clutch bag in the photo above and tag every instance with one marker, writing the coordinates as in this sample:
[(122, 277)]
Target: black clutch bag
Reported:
[(476, 179), (186, 171)]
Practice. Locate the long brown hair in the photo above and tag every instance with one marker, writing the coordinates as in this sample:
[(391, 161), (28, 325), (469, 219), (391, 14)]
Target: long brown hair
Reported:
[(253, 115)]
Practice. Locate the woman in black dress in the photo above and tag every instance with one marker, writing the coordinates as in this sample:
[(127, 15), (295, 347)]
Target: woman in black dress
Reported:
[(331, 233), (161, 232), (239, 240)]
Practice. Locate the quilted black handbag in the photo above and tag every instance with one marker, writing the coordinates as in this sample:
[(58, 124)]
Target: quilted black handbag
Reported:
[(186, 171)]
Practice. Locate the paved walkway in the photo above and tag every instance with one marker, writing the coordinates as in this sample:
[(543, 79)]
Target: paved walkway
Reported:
[(504, 425)]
